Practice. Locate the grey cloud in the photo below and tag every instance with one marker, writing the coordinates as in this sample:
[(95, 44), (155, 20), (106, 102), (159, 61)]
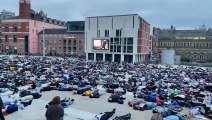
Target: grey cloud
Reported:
[(161, 13)]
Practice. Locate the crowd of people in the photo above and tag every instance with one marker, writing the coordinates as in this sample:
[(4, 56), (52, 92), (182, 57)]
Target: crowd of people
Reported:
[(166, 90)]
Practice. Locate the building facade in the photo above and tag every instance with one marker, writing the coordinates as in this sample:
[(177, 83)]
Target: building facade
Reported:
[(20, 34), (64, 42), (59, 42), (121, 38), (191, 45)]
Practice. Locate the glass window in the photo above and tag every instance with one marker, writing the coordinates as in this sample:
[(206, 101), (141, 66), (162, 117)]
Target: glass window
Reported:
[(69, 42), (111, 40), (75, 42), (114, 50), (118, 48), (125, 49), (6, 38), (125, 41), (69, 48), (129, 49), (118, 33), (130, 41), (111, 48), (75, 49), (7, 29), (15, 28), (64, 42), (106, 33), (15, 38), (116, 41)]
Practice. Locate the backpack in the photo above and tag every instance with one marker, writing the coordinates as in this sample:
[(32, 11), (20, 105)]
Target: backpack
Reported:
[(157, 116)]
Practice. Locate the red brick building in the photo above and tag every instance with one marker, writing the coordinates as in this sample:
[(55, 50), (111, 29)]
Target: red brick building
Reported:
[(20, 34), (64, 42)]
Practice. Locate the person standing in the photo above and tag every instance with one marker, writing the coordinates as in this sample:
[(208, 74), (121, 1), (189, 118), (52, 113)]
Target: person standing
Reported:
[(1, 106), (55, 111)]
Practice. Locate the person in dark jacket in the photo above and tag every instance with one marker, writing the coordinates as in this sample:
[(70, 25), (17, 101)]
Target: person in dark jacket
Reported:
[(55, 111), (1, 114)]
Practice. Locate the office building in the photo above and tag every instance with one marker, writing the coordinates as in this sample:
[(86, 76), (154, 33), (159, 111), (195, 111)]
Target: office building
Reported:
[(119, 38)]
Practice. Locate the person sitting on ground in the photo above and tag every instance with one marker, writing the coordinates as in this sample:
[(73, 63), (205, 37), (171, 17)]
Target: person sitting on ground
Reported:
[(63, 103), (55, 111), (105, 115)]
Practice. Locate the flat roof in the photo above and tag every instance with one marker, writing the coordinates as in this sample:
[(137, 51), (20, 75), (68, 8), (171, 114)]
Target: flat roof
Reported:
[(113, 15), (60, 31)]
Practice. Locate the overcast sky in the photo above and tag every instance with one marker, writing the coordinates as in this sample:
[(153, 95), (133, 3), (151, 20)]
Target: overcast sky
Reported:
[(183, 14)]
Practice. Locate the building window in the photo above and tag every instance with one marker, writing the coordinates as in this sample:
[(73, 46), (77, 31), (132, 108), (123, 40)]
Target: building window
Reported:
[(15, 28), (69, 42), (111, 40), (75, 49), (130, 41), (118, 33), (64, 42), (106, 33), (75, 42), (119, 48), (15, 38), (7, 29), (111, 48), (129, 49), (98, 33), (6, 38), (80, 41)]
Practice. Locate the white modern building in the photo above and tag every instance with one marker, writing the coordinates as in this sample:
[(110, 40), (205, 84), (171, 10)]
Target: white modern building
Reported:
[(120, 38)]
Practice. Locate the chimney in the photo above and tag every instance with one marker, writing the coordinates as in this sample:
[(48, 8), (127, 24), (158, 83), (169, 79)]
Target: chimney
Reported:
[(24, 8)]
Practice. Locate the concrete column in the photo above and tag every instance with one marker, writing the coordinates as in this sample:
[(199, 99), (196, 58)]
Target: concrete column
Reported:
[(103, 56), (134, 58), (94, 56), (86, 56), (113, 57), (122, 57)]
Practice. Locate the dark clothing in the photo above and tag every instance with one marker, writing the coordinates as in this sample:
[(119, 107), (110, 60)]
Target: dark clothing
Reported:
[(1, 114), (54, 112)]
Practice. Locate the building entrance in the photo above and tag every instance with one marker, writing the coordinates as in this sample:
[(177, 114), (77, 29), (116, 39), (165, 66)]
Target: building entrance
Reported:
[(117, 58), (128, 58)]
